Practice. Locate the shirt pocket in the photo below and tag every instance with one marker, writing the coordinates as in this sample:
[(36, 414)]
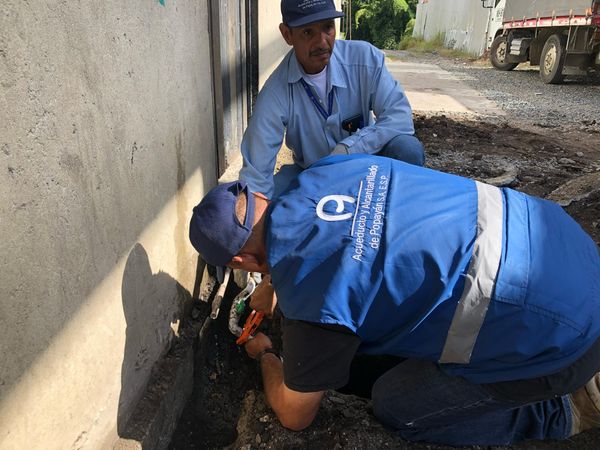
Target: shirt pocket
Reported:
[(513, 274)]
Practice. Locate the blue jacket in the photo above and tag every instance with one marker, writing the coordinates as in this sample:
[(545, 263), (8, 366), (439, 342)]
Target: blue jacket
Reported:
[(493, 284)]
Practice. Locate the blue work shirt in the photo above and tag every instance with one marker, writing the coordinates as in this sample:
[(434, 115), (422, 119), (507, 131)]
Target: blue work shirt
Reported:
[(361, 86), (493, 284)]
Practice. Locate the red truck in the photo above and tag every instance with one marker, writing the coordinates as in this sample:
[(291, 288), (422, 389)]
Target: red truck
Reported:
[(561, 36)]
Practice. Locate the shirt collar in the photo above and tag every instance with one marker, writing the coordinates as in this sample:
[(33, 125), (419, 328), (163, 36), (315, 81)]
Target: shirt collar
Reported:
[(335, 70), (296, 72)]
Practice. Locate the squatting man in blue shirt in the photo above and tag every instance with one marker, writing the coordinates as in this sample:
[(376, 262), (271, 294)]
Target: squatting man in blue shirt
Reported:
[(322, 97), (483, 303)]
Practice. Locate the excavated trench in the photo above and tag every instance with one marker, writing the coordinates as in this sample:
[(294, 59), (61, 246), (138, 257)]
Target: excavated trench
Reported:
[(227, 408)]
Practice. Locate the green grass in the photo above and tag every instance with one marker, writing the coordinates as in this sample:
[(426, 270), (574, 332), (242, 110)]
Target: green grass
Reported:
[(435, 45)]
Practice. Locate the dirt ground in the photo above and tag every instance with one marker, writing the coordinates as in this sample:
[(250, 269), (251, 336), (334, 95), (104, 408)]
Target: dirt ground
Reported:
[(560, 164), (228, 409)]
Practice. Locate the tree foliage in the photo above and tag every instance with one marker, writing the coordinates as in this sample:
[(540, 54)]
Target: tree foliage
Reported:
[(381, 22)]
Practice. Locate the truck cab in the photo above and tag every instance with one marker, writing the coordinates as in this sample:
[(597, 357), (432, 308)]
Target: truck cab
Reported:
[(495, 21)]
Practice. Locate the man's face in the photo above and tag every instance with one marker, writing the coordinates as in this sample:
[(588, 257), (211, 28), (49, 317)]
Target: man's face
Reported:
[(313, 43)]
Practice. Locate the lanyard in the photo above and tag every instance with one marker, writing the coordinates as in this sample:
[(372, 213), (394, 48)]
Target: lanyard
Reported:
[(316, 102)]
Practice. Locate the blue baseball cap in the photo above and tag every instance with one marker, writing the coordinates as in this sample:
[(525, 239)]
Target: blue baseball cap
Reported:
[(215, 231), (296, 13)]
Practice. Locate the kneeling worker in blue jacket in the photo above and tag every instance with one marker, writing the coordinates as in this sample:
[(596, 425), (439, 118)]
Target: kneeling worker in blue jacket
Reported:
[(487, 300)]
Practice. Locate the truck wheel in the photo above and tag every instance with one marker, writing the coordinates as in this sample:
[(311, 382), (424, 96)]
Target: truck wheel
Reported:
[(552, 60), (498, 53)]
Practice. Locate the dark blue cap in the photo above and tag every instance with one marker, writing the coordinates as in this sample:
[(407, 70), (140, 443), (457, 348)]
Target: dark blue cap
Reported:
[(215, 231), (296, 13)]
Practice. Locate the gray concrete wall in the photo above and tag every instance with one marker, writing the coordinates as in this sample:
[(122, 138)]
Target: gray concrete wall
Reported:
[(106, 143), (272, 47), (463, 22)]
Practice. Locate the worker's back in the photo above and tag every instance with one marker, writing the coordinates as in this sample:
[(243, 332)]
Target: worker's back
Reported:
[(389, 250)]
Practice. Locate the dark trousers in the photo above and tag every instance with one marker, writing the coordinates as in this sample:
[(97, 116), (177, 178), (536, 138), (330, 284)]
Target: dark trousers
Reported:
[(405, 147), (423, 403)]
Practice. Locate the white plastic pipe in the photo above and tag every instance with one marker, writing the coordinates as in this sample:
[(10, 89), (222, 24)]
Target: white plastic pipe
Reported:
[(216, 304)]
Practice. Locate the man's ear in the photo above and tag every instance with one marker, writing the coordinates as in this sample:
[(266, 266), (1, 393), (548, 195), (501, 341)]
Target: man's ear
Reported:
[(245, 261), (286, 32)]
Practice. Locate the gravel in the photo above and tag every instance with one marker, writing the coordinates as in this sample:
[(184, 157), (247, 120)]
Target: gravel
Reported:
[(575, 104)]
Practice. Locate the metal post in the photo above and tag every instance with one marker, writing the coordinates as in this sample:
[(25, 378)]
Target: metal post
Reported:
[(215, 54), (350, 16)]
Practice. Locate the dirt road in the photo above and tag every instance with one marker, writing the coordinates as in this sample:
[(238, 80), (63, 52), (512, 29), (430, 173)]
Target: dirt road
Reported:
[(532, 152)]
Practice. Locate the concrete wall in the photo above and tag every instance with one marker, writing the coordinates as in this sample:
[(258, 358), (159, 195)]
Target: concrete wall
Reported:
[(272, 47), (106, 143), (463, 22)]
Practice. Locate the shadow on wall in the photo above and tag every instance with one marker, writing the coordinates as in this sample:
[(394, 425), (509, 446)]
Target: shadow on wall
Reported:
[(152, 305)]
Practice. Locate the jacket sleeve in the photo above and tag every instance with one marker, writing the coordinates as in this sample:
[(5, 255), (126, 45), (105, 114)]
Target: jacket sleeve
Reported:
[(392, 111), (263, 138)]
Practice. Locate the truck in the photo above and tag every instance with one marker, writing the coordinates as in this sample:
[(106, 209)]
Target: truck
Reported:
[(561, 36)]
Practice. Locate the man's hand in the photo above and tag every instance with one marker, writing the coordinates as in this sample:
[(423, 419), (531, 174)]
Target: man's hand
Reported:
[(256, 345), (264, 299), (340, 149)]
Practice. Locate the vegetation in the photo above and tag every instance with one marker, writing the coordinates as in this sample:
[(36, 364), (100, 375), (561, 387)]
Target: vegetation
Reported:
[(420, 45), (436, 45), (389, 24), (381, 22)]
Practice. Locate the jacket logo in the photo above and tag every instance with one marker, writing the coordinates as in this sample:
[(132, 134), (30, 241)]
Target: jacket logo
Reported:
[(339, 201)]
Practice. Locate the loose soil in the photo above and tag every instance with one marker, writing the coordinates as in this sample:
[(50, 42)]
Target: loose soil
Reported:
[(542, 162)]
